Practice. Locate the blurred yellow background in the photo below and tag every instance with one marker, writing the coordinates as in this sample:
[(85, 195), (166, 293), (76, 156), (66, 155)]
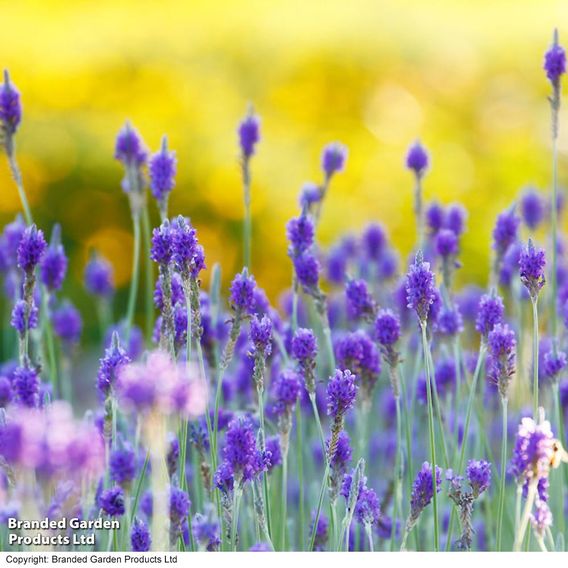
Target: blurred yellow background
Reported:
[(465, 77)]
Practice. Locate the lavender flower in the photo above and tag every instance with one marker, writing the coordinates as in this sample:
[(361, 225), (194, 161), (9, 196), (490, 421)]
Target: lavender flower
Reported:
[(31, 249), (109, 366), (417, 159), (307, 270), (360, 303), (435, 218), (99, 277), (456, 217), (532, 208), (387, 328), (450, 322), (206, 531), (162, 168), (54, 264), (555, 361), (67, 323), (447, 244), (367, 510), (501, 344), (341, 393), (179, 510), (374, 241), (300, 233), (489, 313), (26, 386), (555, 62), (249, 135), (123, 466), (162, 244), (333, 159), (130, 148), (23, 319), (420, 288), (534, 451), (304, 350), (422, 492), (321, 533), (111, 501), (242, 293), (505, 231), (478, 473), (531, 264), (140, 538), (310, 194), (10, 107)]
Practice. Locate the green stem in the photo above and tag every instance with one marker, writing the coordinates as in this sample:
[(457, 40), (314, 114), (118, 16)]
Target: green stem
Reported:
[(284, 501), (17, 175), (369, 534), (149, 293), (237, 494), (319, 507), (48, 330), (531, 494), (300, 465), (397, 494), (503, 475), (554, 227), (247, 230), (431, 435), (534, 302), (135, 276)]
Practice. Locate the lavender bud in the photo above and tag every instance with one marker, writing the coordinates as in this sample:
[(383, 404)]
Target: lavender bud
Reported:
[(10, 106)]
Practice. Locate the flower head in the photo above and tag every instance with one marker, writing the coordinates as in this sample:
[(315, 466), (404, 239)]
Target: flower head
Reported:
[(341, 393), (532, 208), (140, 538), (374, 240), (490, 312), (24, 318), (555, 361), (534, 451), (555, 62), (531, 268), (420, 288), (162, 169), (333, 159), (300, 232), (99, 277), (109, 366), (10, 106), (54, 263), (31, 249), (304, 345), (286, 390), (505, 231), (67, 322), (249, 135), (129, 148), (387, 328), (447, 244), (111, 501), (417, 159), (162, 244), (435, 217), (423, 489), (360, 302), (307, 270), (26, 384), (501, 344), (123, 466), (242, 292), (478, 473), (261, 335), (456, 217)]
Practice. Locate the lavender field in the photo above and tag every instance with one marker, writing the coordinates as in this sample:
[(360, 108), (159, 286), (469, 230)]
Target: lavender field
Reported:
[(376, 407)]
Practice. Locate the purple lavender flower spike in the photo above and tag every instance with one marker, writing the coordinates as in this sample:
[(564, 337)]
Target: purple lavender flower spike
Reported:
[(490, 312), (23, 319), (420, 288), (67, 323), (300, 232), (111, 501), (341, 394), (10, 107), (54, 263), (309, 195), (129, 148), (26, 384), (501, 344), (242, 292), (31, 249), (532, 208), (162, 169), (478, 473), (140, 538), (333, 159), (531, 269), (109, 366), (456, 217), (123, 466), (321, 531), (360, 303), (435, 218), (249, 135), (423, 491), (162, 244), (307, 269), (555, 361), (99, 276), (447, 244), (374, 241), (505, 231), (417, 159), (555, 62), (206, 531)]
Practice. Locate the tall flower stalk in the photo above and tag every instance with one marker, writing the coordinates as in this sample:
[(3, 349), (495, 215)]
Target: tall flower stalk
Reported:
[(249, 136), (417, 161), (420, 294)]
